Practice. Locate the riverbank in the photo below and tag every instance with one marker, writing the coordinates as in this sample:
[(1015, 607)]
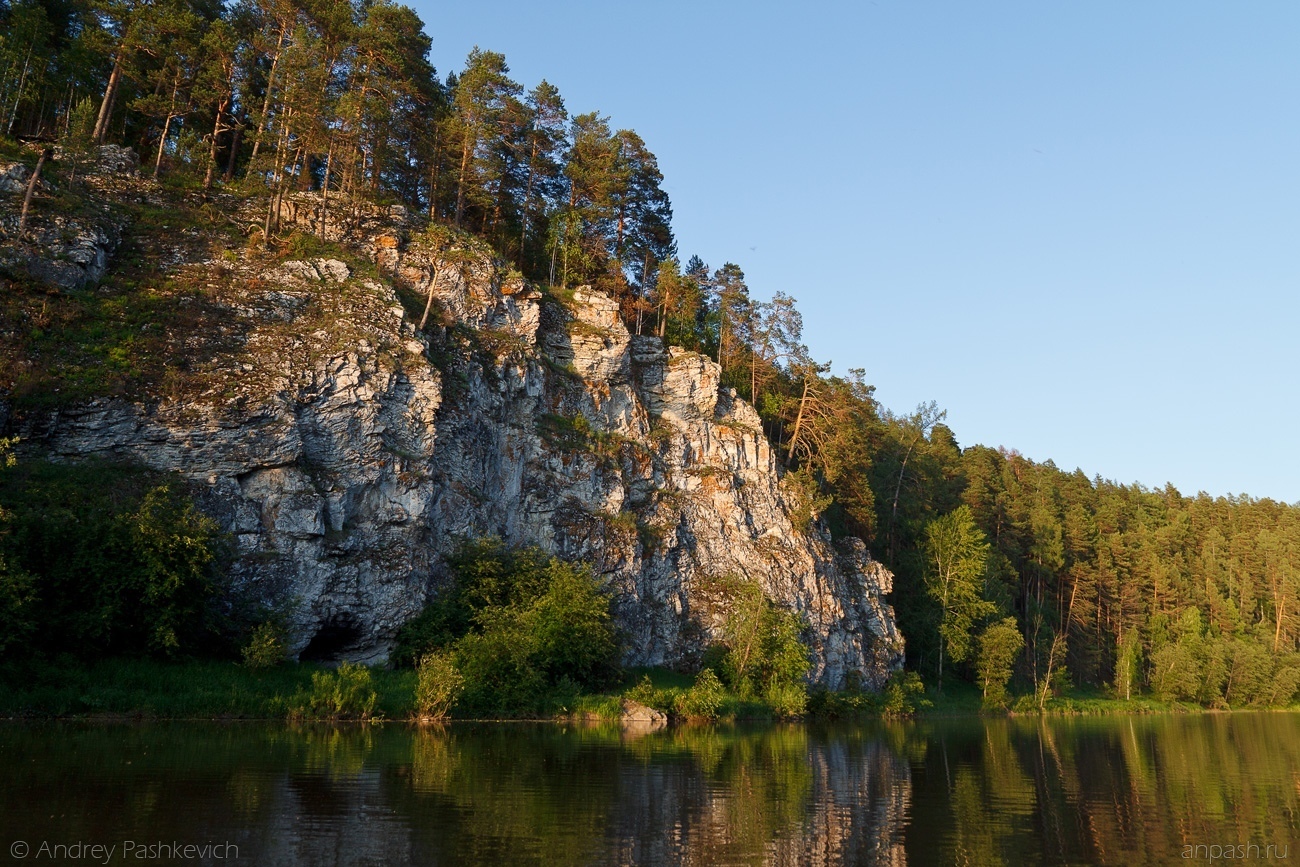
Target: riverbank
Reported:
[(191, 689), (964, 699), (208, 689)]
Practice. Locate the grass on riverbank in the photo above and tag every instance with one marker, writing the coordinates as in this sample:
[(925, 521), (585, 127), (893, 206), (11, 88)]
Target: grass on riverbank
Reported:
[(964, 699), (207, 689), (195, 689)]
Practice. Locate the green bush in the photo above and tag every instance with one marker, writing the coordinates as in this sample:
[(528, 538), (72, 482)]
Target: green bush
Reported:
[(104, 559), (526, 630), (764, 655), (850, 702), (16, 587), (1026, 704), (787, 700), (438, 685), (344, 693), (903, 695), (501, 678), (703, 699), (265, 649)]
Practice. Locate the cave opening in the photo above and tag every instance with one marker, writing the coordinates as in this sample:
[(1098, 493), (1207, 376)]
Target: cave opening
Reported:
[(338, 634)]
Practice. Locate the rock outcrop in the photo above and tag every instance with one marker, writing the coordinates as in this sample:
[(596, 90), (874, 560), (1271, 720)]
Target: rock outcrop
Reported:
[(66, 249), (346, 454)]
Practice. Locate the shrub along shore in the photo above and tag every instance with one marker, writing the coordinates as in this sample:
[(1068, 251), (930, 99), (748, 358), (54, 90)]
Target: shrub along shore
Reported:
[(216, 689), (225, 690)]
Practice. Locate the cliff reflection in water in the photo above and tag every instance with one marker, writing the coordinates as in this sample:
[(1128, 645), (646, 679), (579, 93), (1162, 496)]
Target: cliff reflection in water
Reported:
[(1115, 790), (687, 796), (491, 794)]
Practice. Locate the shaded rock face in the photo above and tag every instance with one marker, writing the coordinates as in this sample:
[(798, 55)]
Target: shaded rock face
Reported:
[(346, 465), (64, 250)]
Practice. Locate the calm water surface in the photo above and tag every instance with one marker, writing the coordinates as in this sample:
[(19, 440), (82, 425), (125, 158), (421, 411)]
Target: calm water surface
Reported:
[(1115, 790)]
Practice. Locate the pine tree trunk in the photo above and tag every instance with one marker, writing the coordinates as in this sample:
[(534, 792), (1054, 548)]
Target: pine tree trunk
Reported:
[(18, 96), (211, 172), (167, 124), (722, 333), (325, 190), (162, 142), (798, 423), (528, 202), (898, 490), (110, 93), (234, 150), (31, 188), (266, 103), (465, 151), (424, 317), (1277, 630)]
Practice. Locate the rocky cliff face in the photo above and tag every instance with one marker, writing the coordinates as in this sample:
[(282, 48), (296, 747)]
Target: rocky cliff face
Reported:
[(347, 453), (71, 247)]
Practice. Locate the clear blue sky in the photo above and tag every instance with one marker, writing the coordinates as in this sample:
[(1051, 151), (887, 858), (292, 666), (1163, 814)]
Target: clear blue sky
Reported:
[(1074, 225)]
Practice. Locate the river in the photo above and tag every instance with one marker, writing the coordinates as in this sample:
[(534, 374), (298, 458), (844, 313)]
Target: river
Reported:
[(1102, 790)]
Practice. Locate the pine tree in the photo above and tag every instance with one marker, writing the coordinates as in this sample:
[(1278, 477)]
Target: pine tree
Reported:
[(481, 103), (542, 146)]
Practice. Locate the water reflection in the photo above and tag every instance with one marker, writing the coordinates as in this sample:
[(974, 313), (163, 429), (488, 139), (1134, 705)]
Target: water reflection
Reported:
[(1115, 790), (467, 794)]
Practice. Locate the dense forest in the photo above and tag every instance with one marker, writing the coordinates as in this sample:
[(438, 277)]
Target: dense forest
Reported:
[(1002, 564)]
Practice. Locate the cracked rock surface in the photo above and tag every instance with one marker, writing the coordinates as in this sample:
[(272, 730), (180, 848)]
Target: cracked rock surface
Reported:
[(345, 463)]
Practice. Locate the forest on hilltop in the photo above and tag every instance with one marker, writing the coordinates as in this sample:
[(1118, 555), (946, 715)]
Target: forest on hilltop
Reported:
[(1000, 562)]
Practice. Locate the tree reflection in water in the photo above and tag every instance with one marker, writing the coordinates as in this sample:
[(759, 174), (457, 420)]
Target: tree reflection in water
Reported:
[(1120, 790)]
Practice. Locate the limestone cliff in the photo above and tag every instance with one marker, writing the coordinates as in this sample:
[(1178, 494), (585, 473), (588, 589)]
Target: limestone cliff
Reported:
[(346, 452)]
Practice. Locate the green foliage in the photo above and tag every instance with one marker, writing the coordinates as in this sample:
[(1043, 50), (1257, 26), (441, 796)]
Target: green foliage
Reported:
[(703, 700), (178, 689), (173, 543), (117, 559), (645, 692), (1027, 705), (903, 695), (521, 627), (1128, 659), (17, 593), (787, 700), (1176, 664), (438, 685), (78, 145), (1127, 589), (804, 495), (344, 693), (17, 588), (999, 644), (301, 245), (265, 648), (957, 556), (763, 655)]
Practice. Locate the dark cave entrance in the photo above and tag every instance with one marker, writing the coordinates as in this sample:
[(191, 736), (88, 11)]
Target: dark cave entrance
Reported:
[(337, 635)]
